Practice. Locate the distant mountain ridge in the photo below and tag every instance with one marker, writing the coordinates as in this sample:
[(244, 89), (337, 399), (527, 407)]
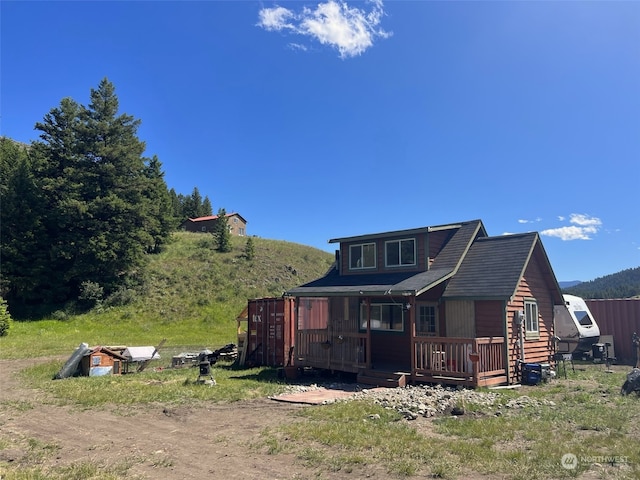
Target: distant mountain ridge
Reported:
[(624, 284), (570, 283)]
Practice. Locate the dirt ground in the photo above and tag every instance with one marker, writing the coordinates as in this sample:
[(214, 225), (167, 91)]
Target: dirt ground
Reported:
[(158, 442), (212, 441)]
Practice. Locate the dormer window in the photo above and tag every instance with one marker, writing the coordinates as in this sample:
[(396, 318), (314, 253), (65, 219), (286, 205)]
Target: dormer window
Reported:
[(400, 253), (362, 256)]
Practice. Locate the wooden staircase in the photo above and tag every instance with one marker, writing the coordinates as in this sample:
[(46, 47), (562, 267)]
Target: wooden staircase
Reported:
[(380, 378)]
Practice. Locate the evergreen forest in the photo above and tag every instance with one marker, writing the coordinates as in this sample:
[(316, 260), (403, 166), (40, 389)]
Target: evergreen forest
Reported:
[(82, 207)]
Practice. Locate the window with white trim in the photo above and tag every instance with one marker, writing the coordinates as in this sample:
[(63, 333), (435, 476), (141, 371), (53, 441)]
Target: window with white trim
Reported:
[(362, 256), (427, 320), (384, 316), (400, 253), (531, 324)]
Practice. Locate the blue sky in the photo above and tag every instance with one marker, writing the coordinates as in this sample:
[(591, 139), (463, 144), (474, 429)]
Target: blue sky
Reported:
[(324, 119)]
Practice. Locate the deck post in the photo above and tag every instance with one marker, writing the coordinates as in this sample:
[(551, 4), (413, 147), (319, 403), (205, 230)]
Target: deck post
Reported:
[(476, 375)]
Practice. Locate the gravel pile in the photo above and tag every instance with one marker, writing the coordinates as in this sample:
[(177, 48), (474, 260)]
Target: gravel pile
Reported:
[(413, 401)]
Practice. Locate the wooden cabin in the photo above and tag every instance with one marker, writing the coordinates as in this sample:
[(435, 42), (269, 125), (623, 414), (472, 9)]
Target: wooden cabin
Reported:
[(236, 223), (441, 304), (98, 361)]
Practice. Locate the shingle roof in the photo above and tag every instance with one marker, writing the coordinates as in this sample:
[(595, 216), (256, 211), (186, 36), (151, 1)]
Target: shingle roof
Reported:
[(374, 284), (493, 267), (400, 283)]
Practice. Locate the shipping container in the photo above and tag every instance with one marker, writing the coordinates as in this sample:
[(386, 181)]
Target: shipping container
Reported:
[(621, 319), (270, 334)]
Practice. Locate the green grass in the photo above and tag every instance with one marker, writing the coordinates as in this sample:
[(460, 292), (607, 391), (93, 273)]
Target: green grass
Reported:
[(191, 296), (584, 416), (167, 386)]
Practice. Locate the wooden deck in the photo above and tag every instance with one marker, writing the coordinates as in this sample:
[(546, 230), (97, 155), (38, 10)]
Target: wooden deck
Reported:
[(473, 362)]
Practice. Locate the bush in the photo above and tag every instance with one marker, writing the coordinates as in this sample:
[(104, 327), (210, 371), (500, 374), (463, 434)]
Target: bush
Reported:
[(122, 296), (5, 317), (60, 315), (91, 294)]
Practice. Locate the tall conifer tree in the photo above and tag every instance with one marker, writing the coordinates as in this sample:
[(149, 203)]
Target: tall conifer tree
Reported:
[(103, 206)]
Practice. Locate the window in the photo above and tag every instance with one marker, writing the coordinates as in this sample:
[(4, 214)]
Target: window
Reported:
[(384, 316), (427, 321), (235, 220), (583, 318), (399, 253), (204, 229), (362, 256), (531, 319)]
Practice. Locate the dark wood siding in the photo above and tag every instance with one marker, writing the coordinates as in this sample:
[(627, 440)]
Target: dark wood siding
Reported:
[(490, 318), (422, 260), (391, 349)]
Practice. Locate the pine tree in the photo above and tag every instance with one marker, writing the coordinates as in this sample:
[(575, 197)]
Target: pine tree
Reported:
[(98, 205), (223, 236), (5, 318), (249, 249), (23, 235), (159, 217), (206, 209)]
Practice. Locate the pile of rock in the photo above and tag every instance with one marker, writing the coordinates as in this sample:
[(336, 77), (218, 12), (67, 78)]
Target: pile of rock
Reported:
[(413, 401)]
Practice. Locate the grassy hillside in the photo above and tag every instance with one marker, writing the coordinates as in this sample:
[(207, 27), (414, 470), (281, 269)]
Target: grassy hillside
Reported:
[(191, 296)]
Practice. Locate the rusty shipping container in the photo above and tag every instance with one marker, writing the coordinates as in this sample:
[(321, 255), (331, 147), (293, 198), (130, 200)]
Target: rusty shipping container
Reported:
[(270, 335), (620, 318)]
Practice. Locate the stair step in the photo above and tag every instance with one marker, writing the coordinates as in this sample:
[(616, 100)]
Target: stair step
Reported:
[(382, 379)]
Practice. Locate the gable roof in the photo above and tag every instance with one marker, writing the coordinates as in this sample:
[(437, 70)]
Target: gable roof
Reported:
[(493, 267), (101, 349), (215, 217), (397, 283)]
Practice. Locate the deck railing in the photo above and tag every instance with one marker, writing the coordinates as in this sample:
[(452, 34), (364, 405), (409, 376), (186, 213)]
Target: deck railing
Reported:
[(469, 361), (318, 348), (466, 361)]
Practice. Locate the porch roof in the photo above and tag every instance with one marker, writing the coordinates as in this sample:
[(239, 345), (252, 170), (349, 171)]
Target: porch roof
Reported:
[(400, 283)]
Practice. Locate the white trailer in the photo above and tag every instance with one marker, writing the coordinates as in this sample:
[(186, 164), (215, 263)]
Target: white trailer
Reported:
[(575, 327)]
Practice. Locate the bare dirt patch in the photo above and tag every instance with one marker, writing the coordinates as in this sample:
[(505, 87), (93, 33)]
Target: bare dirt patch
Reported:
[(210, 441)]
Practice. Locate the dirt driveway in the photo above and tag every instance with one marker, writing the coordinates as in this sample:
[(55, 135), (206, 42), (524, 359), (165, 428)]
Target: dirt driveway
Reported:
[(210, 441)]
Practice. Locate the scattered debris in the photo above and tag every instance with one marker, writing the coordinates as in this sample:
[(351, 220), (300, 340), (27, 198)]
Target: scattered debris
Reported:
[(106, 360), (632, 383), (190, 359)]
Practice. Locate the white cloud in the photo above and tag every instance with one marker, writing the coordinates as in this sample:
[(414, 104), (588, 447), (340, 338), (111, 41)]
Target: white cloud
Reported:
[(584, 220), (349, 30), (275, 18), (522, 220), (297, 46), (584, 226)]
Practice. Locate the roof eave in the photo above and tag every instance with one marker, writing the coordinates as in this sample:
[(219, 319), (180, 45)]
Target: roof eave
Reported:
[(394, 233)]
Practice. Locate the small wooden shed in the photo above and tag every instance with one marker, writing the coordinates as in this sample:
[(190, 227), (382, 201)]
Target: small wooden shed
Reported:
[(100, 361)]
